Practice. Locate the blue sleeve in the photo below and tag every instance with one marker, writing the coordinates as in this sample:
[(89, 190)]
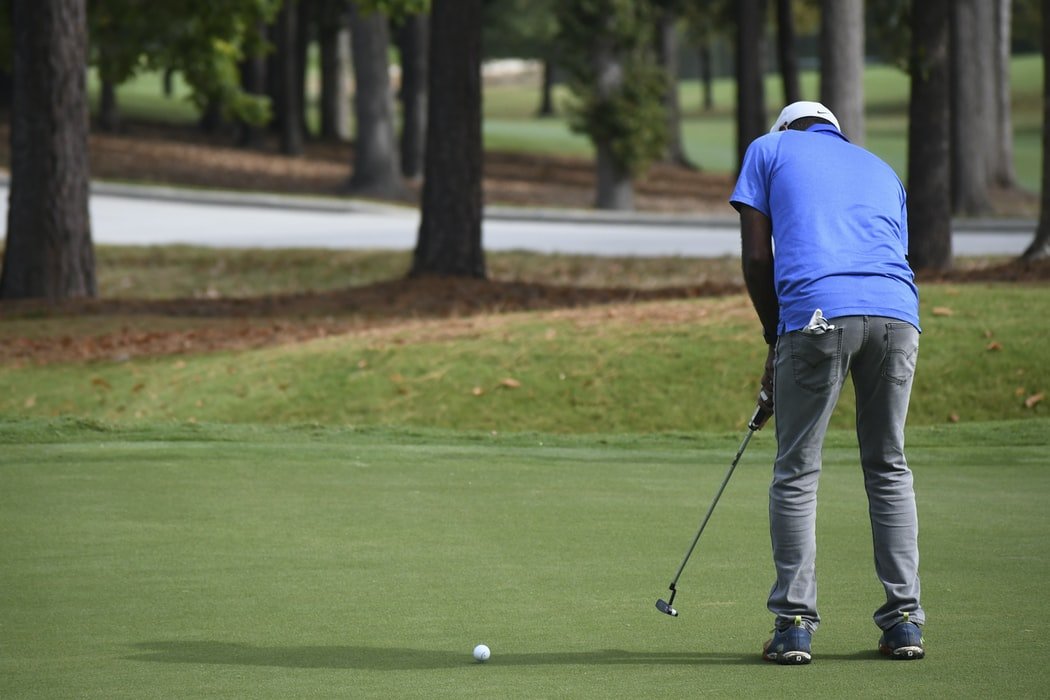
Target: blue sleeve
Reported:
[(752, 185), (904, 220)]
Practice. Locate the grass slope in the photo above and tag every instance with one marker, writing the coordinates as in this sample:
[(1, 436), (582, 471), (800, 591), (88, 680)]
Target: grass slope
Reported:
[(674, 366), (218, 561)]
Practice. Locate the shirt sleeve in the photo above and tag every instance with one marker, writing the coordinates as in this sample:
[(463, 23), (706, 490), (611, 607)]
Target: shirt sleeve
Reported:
[(752, 185), (904, 220)]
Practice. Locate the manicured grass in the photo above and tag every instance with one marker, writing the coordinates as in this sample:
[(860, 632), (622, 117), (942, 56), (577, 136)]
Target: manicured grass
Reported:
[(673, 366), (211, 561)]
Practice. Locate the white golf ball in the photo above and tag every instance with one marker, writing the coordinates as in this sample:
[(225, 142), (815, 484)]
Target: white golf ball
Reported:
[(482, 653)]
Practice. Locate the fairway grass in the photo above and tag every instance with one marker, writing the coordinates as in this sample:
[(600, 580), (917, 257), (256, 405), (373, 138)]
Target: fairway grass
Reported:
[(219, 561)]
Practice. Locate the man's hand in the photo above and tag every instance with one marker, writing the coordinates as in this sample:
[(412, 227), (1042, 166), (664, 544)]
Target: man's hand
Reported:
[(765, 396)]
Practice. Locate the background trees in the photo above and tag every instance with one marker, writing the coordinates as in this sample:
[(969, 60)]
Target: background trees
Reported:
[(618, 56), (607, 51)]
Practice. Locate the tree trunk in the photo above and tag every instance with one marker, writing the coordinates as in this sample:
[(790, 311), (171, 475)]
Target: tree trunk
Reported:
[(706, 79), (751, 96), (971, 113), (1040, 247), (412, 42), (615, 189), (449, 240), (377, 165), (929, 153), (335, 98), (842, 64), (304, 16), (1003, 172), (108, 112), (287, 80), (547, 90), (253, 80), (49, 253), (667, 55), (788, 56)]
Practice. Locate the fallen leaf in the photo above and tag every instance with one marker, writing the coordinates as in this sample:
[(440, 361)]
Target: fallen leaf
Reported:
[(942, 311), (30, 402), (477, 391), (953, 417), (101, 383), (1032, 400), (1019, 392), (510, 383), (994, 346)]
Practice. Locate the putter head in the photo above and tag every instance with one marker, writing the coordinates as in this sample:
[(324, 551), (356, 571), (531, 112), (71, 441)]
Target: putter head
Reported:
[(665, 607)]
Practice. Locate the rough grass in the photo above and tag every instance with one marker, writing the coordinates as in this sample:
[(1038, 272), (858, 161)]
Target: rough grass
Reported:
[(636, 368)]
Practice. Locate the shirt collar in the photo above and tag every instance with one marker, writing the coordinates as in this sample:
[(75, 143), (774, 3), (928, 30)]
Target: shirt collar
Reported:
[(828, 129)]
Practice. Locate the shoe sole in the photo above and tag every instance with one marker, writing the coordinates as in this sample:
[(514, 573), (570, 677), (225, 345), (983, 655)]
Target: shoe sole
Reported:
[(789, 658), (904, 653)]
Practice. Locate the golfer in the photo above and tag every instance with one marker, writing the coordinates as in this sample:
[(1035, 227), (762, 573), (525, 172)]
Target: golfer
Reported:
[(824, 241)]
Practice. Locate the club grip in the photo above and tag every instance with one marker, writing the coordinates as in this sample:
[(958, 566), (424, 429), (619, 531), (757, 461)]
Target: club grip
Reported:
[(760, 415)]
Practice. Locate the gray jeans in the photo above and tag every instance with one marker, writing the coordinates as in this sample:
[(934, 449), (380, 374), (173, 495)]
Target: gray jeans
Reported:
[(811, 368)]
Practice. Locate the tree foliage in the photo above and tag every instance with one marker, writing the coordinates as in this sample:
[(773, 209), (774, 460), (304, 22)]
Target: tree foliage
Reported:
[(520, 29), (606, 47), (205, 40)]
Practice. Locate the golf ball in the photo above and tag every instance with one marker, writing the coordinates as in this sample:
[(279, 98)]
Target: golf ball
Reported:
[(482, 653)]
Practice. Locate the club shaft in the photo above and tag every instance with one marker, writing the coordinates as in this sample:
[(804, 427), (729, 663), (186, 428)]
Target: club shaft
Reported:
[(703, 523)]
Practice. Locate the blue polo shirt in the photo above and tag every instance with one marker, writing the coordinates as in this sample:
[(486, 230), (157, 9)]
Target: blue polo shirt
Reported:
[(840, 226)]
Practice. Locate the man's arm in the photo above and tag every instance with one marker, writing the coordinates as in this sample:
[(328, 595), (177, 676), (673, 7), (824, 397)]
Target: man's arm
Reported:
[(756, 242), (756, 238)]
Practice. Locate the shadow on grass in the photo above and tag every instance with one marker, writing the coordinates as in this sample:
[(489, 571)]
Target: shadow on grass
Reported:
[(394, 659)]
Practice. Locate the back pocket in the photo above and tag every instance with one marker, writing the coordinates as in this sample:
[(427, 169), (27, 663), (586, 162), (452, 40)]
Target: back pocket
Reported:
[(902, 350), (816, 359)]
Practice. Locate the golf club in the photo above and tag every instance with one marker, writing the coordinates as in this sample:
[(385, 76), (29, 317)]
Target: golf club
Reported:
[(754, 424)]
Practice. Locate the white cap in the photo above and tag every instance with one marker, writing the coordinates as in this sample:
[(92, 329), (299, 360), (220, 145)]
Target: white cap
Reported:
[(798, 110)]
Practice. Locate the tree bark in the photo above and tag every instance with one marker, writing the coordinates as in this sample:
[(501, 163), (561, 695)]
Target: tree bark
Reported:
[(449, 241), (332, 28), (253, 80), (547, 90), (1003, 173), (289, 104), (304, 17), (706, 79), (842, 64), (971, 113), (667, 55), (929, 152), (413, 39), (49, 253), (377, 165), (108, 112), (788, 56), (615, 189), (750, 52), (1040, 246)]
